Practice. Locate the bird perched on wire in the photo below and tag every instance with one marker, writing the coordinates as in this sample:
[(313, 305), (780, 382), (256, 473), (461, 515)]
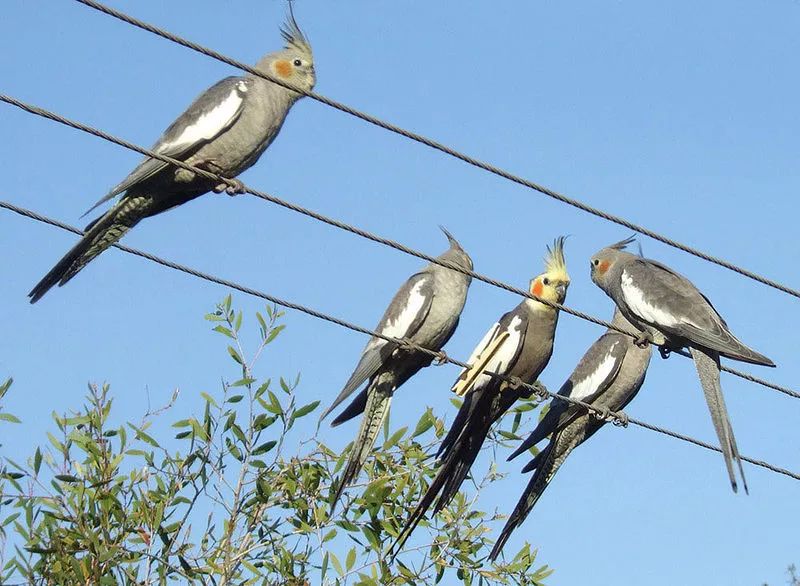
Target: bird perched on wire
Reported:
[(608, 376), (424, 311), (224, 131), (672, 313), (518, 347)]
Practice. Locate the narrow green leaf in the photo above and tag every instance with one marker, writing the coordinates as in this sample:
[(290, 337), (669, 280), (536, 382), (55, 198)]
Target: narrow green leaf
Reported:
[(235, 355), (306, 409), (337, 565), (424, 424), (396, 437), (223, 330)]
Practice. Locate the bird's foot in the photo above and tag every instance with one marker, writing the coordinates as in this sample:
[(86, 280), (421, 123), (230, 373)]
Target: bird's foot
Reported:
[(665, 351), (601, 413), (441, 358), (514, 383), (230, 186), (643, 340), (621, 419), (539, 390)]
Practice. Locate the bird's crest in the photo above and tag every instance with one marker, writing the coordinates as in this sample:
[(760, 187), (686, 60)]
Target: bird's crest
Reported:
[(294, 37), (623, 244), (554, 262), (450, 238)]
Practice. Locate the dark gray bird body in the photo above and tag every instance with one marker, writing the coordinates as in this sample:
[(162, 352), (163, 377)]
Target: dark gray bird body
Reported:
[(425, 311), (224, 131), (675, 314), (519, 345), (609, 375)]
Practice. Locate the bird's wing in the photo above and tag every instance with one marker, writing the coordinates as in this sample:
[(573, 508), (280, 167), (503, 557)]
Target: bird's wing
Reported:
[(213, 112), (402, 319), (497, 352), (669, 301), (665, 299), (592, 376)]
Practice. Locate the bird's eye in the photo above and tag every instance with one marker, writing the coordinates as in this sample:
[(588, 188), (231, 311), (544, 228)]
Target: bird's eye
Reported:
[(596, 262), (297, 63), (546, 281)]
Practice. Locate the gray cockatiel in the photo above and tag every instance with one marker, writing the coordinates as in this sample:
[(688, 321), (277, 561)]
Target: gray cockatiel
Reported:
[(518, 345), (609, 375), (425, 311), (670, 311), (224, 131)]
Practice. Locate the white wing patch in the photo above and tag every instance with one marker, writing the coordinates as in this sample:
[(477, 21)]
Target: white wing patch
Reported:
[(488, 337), (588, 386), (210, 124), (504, 355), (398, 328), (635, 300)]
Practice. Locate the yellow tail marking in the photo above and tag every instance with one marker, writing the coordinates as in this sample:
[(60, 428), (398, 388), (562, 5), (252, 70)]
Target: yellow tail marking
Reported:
[(467, 379)]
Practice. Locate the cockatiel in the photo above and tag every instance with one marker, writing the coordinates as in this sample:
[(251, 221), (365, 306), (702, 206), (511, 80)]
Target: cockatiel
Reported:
[(609, 375), (224, 131), (425, 311), (671, 312), (518, 345)]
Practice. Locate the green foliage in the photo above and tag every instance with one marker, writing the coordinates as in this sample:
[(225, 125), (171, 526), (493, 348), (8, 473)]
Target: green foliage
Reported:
[(227, 501)]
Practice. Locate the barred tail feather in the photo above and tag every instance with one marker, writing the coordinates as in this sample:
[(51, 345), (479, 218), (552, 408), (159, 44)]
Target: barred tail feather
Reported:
[(374, 413), (546, 469), (98, 236), (460, 453)]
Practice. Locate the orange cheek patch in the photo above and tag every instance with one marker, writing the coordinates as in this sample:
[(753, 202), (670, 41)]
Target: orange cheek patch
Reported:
[(283, 68), (603, 266), (537, 288)]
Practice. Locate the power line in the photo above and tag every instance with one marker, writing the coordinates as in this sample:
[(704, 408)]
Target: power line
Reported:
[(357, 231), (618, 417), (470, 160)]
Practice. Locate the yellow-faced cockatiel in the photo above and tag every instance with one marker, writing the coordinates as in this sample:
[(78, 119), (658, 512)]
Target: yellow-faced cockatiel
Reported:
[(518, 345), (608, 376)]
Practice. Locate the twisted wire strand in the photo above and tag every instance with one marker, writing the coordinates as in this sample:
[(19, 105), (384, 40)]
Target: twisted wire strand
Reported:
[(619, 418), (419, 138), (30, 108)]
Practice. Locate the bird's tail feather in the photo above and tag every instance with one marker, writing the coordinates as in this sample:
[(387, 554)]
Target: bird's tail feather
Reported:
[(377, 406), (462, 445), (547, 466), (707, 363), (354, 409), (98, 236)]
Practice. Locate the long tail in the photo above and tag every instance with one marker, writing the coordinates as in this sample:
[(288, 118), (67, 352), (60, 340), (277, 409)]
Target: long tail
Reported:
[(707, 363), (546, 463), (377, 406), (455, 465), (99, 235)]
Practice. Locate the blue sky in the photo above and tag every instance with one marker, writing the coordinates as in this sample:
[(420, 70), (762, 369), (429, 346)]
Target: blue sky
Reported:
[(680, 116)]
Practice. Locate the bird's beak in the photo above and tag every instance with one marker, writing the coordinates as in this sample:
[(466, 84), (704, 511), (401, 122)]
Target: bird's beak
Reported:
[(562, 290)]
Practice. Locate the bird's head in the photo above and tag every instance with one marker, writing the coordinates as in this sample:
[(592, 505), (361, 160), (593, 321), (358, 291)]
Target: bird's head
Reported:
[(604, 265), (295, 63), (456, 253), (552, 284)]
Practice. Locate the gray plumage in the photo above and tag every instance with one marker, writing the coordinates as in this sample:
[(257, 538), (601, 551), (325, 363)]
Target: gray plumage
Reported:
[(670, 311), (425, 311), (609, 375), (520, 345), (224, 131)]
